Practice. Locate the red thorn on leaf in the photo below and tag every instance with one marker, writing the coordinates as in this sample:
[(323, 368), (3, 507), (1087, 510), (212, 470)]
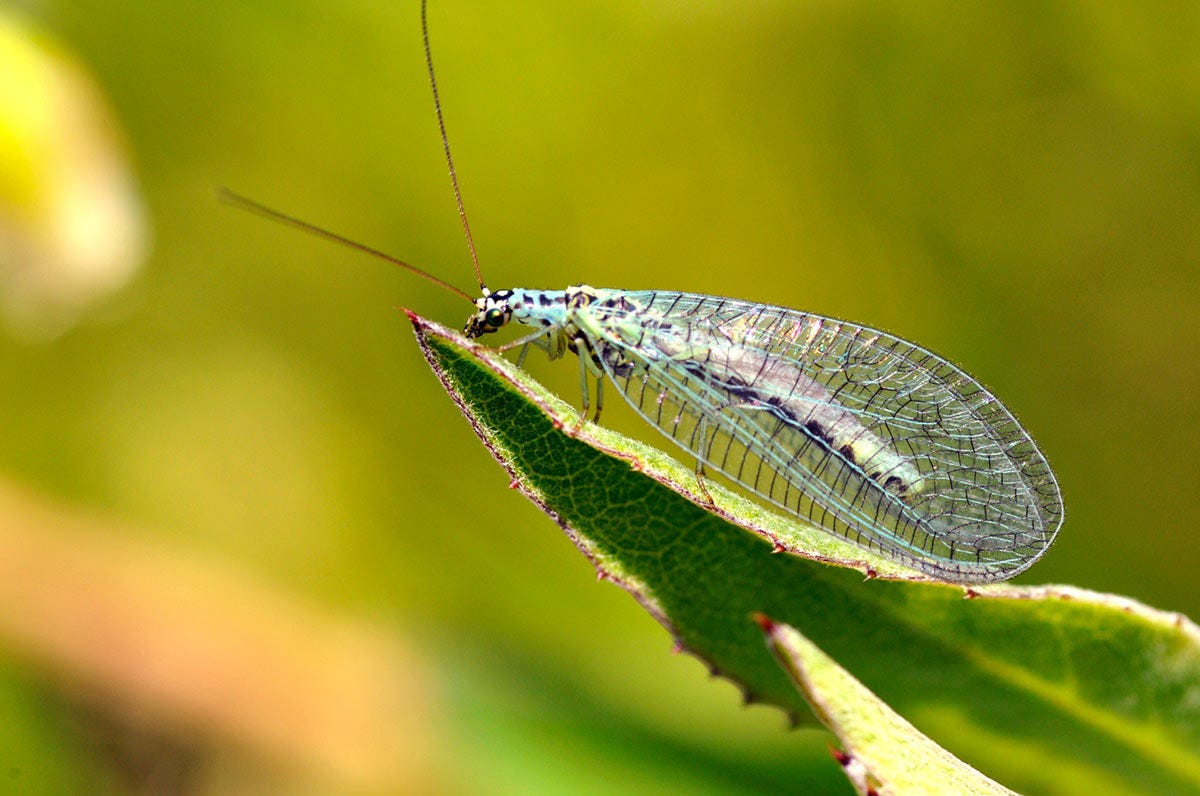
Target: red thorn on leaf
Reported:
[(871, 573), (558, 424), (637, 466), (601, 575), (970, 594), (777, 548), (763, 621), (677, 648), (514, 484), (843, 758)]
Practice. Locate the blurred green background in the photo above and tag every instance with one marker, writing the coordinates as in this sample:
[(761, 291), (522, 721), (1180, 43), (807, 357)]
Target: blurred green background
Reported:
[(253, 438)]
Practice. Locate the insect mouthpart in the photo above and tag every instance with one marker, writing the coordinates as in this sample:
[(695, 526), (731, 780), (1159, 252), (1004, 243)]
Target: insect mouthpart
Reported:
[(492, 312)]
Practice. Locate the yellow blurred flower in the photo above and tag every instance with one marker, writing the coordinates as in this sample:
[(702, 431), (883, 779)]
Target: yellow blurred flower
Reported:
[(71, 221)]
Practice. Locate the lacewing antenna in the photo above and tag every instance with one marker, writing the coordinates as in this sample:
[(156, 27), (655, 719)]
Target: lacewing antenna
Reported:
[(437, 107), (243, 203)]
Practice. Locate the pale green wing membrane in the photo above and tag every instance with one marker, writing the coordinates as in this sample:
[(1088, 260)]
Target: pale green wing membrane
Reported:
[(868, 436)]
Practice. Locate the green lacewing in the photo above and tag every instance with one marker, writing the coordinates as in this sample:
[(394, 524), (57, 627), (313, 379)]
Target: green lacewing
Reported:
[(868, 436)]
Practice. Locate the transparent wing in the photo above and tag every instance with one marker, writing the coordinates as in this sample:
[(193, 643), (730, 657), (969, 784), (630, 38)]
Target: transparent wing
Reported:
[(868, 436)]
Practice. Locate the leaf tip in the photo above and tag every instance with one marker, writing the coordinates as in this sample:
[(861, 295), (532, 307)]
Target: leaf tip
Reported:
[(763, 621)]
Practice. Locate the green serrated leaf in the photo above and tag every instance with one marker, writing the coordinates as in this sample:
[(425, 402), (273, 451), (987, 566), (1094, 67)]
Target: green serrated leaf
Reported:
[(884, 754), (1107, 689)]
